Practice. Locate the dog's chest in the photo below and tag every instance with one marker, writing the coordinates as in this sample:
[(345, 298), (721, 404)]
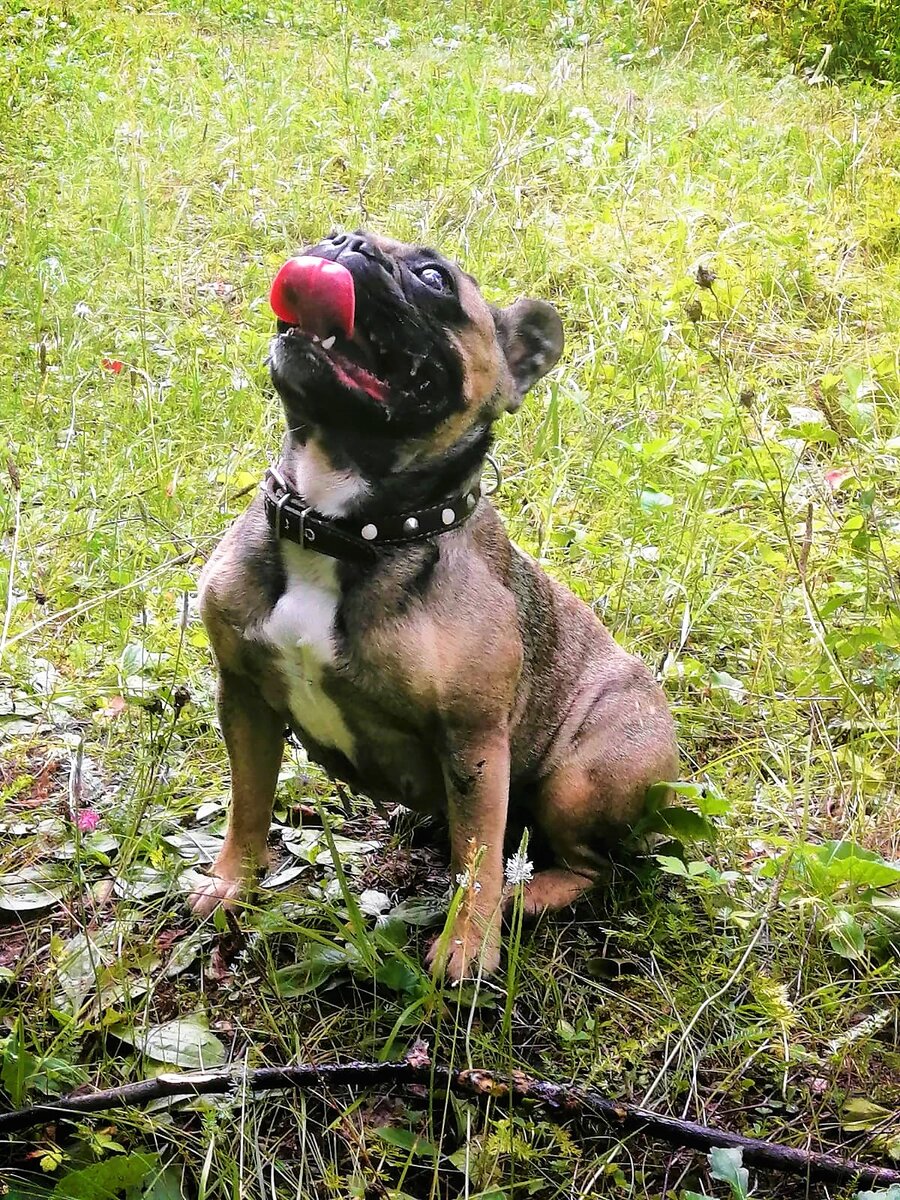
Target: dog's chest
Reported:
[(301, 631)]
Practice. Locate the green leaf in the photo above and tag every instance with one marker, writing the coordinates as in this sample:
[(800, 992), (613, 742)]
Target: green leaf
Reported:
[(373, 903), (165, 1186), (726, 1164), (727, 683), (29, 890), (184, 1042), (859, 1115), (848, 863), (846, 936), (422, 912), (670, 864), (684, 824), (17, 1066), (401, 976), (698, 868), (142, 882), (405, 1139), (105, 1180), (82, 963), (889, 905), (316, 964), (652, 501)]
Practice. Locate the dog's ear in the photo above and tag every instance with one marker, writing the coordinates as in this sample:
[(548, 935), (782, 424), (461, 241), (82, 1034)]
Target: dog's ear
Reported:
[(531, 337)]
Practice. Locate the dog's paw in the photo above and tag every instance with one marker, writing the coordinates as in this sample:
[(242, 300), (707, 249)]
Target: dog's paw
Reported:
[(215, 890), (467, 955)]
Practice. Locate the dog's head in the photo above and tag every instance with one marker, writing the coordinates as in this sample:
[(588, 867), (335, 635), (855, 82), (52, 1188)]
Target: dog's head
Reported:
[(379, 338)]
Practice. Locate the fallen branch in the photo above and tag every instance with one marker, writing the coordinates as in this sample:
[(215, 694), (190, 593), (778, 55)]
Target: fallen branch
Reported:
[(580, 1104)]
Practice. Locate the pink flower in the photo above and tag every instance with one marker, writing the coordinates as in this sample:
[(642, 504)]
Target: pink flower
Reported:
[(839, 475), (88, 820)]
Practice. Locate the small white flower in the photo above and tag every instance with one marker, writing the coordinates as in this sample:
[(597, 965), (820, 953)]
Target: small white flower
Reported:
[(82, 309), (462, 880), (518, 868), (520, 89), (391, 33), (187, 609)]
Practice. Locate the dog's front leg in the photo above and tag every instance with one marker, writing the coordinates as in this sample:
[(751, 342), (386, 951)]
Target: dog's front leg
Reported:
[(254, 738), (476, 774)]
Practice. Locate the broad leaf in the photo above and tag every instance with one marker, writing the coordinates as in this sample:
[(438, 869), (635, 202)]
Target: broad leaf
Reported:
[(422, 912), (166, 1186), (184, 1042), (373, 903), (726, 1164), (401, 976), (405, 1139), (142, 883), (81, 965), (316, 965), (29, 890), (106, 1180), (859, 1115), (684, 824), (846, 936), (848, 863)]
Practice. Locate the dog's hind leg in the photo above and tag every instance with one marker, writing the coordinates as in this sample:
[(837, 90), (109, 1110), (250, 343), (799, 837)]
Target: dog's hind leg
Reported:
[(584, 810), (254, 737)]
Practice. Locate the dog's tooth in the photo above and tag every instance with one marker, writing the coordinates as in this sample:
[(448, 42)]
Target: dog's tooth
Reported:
[(327, 343), (315, 337)]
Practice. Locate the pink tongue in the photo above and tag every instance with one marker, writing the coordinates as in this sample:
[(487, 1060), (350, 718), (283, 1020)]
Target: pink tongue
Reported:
[(315, 294)]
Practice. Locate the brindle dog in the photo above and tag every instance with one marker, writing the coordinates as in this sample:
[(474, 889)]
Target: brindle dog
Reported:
[(449, 673)]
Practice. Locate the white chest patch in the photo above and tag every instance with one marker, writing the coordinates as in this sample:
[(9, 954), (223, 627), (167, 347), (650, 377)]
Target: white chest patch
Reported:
[(301, 630)]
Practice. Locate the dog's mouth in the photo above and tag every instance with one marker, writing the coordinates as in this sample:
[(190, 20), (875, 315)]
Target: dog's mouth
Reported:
[(315, 301)]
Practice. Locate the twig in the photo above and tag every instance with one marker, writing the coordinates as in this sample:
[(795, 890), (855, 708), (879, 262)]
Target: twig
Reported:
[(574, 1103)]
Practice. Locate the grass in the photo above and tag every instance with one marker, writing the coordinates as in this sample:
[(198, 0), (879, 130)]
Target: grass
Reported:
[(714, 468)]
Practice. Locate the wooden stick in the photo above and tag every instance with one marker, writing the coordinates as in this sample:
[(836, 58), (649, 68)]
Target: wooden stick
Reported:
[(559, 1100)]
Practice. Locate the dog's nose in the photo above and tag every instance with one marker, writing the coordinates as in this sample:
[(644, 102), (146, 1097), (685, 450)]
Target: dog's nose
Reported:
[(349, 241), (356, 243)]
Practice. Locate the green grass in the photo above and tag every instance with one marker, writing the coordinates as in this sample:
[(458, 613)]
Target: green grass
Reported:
[(157, 164)]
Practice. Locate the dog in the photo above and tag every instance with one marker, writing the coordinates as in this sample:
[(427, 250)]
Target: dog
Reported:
[(371, 600)]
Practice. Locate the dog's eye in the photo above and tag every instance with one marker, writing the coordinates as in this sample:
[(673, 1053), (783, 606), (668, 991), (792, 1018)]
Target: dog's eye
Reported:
[(435, 278)]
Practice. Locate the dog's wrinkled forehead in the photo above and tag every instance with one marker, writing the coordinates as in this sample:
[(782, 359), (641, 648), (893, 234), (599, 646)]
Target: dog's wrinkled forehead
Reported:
[(473, 332)]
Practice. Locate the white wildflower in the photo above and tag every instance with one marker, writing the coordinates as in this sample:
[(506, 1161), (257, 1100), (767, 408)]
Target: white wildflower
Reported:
[(462, 880), (391, 33), (580, 113), (82, 309), (520, 89), (187, 609), (518, 868), (866, 1028)]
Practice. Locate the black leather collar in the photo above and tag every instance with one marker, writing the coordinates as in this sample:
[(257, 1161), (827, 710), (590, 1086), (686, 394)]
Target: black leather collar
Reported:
[(358, 540)]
